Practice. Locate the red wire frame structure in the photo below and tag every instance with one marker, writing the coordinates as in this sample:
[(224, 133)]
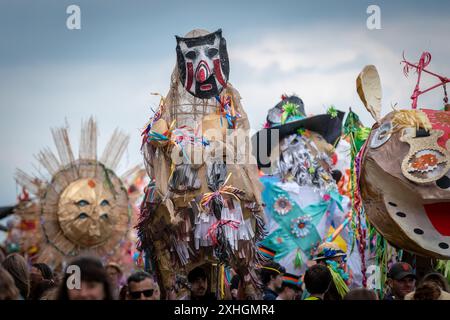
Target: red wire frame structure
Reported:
[(420, 67)]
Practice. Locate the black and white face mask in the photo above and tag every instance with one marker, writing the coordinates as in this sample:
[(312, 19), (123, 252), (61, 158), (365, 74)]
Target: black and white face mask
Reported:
[(203, 64)]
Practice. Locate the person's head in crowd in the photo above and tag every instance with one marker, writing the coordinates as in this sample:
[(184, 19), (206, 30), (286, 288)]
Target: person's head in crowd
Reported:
[(198, 282), (401, 280), (432, 287), (92, 284), (427, 290), (41, 271), (290, 287), (8, 289), (361, 294), (40, 289), (330, 251), (439, 279), (317, 280), (271, 274), (17, 267), (142, 286), (115, 273)]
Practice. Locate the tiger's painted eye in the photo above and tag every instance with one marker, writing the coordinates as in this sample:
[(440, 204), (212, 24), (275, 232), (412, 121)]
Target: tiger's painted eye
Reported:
[(82, 203), (104, 203), (82, 216), (104, 216)]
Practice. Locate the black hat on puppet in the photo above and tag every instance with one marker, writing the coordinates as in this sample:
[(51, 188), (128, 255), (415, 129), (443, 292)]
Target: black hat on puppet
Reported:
[(288, 117)]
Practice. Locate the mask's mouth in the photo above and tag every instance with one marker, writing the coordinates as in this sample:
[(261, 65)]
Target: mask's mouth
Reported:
[(439, 215), (206, 87)]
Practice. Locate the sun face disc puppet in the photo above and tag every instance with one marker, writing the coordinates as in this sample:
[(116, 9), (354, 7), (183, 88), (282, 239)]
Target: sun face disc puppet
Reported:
[(203, 206), (84, 207), (405, 177)]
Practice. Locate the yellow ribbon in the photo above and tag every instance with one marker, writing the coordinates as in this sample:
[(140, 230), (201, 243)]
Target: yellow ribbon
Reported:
[(222, 282), (272, 269)]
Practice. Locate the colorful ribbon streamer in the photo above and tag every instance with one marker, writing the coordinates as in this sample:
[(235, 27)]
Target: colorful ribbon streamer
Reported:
[(227, 109), (219, 194), (212, 231)]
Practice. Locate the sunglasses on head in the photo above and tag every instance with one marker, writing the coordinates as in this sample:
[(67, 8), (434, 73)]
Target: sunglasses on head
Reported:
[(137, 294)]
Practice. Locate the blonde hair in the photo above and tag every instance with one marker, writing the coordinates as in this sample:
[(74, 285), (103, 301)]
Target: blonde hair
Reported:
[(17, 267)]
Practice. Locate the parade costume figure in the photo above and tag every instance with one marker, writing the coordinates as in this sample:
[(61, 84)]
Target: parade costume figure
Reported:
[(23, 231), (300, 195), (330, 255), (404, 170), (203, 205), (83, 207)]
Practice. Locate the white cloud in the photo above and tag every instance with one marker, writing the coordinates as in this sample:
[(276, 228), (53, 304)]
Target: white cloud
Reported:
[(288, 51), (321, 64)]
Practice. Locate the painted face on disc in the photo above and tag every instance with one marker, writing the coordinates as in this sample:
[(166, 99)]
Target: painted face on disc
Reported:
[(203, 64), (85, 212)]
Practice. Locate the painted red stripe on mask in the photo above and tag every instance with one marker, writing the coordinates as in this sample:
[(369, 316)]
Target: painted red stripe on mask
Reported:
[(218, 73), (189, 76)]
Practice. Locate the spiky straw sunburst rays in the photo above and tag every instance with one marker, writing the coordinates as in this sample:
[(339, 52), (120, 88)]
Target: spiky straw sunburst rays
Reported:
[(64, 169)]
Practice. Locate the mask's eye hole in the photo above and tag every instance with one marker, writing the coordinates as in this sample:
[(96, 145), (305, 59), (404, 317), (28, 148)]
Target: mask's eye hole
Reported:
[(191, 55), (82, 203), (82, 216), (443, 183), (381, 135), (104, 216), (104, 203), (212, 52)]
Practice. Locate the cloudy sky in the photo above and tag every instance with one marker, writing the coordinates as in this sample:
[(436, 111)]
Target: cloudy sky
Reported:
[(50, 75)]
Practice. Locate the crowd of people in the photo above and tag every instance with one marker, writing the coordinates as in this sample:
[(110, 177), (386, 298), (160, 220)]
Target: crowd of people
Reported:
[(20, 281), (401, 284)]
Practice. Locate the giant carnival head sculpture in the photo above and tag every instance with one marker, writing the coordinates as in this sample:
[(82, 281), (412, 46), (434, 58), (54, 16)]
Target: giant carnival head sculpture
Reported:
[(404, 170)]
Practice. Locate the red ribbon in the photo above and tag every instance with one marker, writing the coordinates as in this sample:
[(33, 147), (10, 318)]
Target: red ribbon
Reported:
[(424, 61), (212, 230)]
